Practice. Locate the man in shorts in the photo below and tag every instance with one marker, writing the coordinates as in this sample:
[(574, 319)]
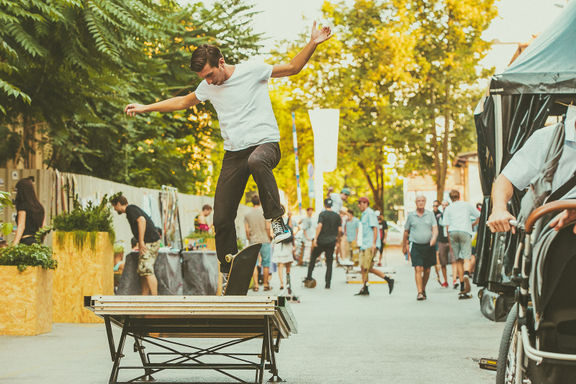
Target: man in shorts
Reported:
[(420, 233), (368, 248), (145, 233), (442, 246), (458, 220), (258, 231)]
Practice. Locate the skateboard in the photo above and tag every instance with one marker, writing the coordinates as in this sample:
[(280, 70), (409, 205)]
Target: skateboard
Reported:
[(241, 270)]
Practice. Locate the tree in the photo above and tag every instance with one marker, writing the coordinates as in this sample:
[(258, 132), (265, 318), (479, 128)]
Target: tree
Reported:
[(78, 63), (395, 68)]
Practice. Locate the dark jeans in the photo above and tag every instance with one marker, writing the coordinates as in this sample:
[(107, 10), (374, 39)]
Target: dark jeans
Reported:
[(237, 166), (317, 251)]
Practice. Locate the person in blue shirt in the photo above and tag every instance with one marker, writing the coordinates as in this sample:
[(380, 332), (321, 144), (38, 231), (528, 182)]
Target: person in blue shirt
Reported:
[(369, 244)]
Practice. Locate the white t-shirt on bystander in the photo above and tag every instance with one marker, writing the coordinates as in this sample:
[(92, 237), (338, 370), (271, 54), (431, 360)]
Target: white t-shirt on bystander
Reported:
[(243, 106)]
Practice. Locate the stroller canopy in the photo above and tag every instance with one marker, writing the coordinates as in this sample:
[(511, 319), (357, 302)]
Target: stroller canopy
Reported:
[(539, 84)]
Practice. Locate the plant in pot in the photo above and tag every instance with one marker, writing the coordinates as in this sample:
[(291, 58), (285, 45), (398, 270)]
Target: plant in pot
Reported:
[(26, 272), (84, 247), (200, 239)]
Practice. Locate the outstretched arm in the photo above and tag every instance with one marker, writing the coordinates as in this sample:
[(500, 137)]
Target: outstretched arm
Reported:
[(169, 105), (317, 36), (502, 191)]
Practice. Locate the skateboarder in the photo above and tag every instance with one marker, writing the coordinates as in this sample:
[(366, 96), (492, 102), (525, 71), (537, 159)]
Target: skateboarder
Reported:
[(239, 93)]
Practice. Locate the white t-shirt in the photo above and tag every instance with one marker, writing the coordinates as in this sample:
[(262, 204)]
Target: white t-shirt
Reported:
[(527, 162), (459, 215), (243, 106)]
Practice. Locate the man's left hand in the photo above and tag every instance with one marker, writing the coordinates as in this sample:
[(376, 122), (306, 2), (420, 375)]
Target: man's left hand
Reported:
[(320, 35)]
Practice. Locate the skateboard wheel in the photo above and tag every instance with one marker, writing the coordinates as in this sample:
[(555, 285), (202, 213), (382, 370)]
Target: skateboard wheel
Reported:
[(229, 258)]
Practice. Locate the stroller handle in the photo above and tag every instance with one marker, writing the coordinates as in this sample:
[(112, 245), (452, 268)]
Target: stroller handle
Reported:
[(558, 205)]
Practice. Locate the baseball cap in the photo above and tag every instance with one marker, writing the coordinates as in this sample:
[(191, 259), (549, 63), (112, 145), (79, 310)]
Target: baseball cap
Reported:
[(328, 202), (364, 199), (346, 191)]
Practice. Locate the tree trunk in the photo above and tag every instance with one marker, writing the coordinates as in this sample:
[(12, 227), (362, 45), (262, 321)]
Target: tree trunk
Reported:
[(376, 188)]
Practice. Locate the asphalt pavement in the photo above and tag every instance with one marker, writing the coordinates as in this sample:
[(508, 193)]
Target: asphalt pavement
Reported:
[(342, 338)]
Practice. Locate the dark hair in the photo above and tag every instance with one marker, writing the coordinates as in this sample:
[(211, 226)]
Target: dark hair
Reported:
[(435, 201), (309, 209), (206, 207), (159, 230), (26, 200), (119, 199), (205, 54), (255, 200), (133, 242)]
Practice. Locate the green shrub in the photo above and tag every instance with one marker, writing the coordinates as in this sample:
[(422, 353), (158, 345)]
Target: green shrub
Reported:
[(5, 201), (83, 221), (200, 235), (28, 256)]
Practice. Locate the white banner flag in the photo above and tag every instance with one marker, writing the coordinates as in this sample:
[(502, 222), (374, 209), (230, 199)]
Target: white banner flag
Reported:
[(325, 124)]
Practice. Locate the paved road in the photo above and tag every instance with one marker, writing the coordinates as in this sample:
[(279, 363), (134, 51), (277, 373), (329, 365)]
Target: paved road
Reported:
[(342, 339)]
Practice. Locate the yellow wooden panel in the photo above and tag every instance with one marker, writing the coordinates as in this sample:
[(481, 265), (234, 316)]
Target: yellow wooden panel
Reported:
[(26, 301), (84, 271)]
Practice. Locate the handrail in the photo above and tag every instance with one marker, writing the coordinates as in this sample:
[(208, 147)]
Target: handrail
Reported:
[(557, 205)]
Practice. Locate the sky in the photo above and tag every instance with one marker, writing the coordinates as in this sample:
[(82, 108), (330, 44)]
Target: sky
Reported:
[(517, 21)]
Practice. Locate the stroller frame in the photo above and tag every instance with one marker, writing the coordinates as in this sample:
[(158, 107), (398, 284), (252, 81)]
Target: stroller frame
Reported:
[(517, 347)]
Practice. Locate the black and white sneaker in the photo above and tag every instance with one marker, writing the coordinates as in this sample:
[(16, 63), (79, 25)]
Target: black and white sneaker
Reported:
[(280, 230)]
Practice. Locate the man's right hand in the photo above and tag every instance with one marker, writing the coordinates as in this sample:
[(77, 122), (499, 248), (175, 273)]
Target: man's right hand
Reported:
[(134, 109), (499, 221)]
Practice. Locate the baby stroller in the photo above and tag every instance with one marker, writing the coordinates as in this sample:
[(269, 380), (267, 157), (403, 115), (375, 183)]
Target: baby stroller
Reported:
[(538, 344)]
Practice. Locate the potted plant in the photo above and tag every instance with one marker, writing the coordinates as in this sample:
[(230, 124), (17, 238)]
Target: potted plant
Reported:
[(26, 272), (83, 244), (201, 239)]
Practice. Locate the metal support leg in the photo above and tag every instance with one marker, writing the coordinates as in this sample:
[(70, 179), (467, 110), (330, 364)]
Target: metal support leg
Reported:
[(272, 357), (264, 354), (110, 336), (118, 355), (145, 361)]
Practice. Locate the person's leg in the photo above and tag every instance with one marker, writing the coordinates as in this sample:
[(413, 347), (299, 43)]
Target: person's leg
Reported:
[(261, 162), (418, 277), (329, 259), (152, 283), (280, 274), (425, 277), (445, 274), (229, 192), (145, 290), (314, 255)]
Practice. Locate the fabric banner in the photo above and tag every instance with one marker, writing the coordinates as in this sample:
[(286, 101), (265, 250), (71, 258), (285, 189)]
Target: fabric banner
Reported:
[(325, 123)]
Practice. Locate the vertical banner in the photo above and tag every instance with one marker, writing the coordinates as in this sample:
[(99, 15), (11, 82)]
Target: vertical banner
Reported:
[(325, 124), (295, 140)]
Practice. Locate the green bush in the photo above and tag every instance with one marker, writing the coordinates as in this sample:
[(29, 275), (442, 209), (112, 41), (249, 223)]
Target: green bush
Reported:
[(200, 235), (24, 256), (5, 201), (86, 220)]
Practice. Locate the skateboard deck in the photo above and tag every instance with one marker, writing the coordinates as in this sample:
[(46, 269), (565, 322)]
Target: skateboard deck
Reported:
[(241, 270)]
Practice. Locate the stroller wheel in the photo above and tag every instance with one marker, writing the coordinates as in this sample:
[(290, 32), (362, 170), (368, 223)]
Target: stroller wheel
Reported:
[(509, 357)]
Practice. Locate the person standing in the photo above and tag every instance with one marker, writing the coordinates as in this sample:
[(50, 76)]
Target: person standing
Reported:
[(420, 233), (145, 233), (338, 199), (369, 246), (201, 221), (308, 233), (352, 228), (458, 219), (383, 228), (29, 213), (258, 231), (239, 93), (442, 246), (328, 232)]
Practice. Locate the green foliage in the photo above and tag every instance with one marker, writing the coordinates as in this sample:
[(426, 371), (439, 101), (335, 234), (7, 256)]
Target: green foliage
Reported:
[(5, 201), (397, 70), (118, 248), (200, 235), (75, 65), (85, 222), (28, 256)]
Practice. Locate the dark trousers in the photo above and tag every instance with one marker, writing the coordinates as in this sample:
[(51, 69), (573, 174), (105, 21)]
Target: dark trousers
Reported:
[(237, 166), (317, 251)]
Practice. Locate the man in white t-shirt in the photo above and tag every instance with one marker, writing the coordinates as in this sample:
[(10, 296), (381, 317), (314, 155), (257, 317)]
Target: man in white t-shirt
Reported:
[(239, 93), (458, 219)]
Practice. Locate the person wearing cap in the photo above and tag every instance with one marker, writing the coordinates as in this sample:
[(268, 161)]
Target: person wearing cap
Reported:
[(328, 233), (420, 233), (338, 199), (370, 243)]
